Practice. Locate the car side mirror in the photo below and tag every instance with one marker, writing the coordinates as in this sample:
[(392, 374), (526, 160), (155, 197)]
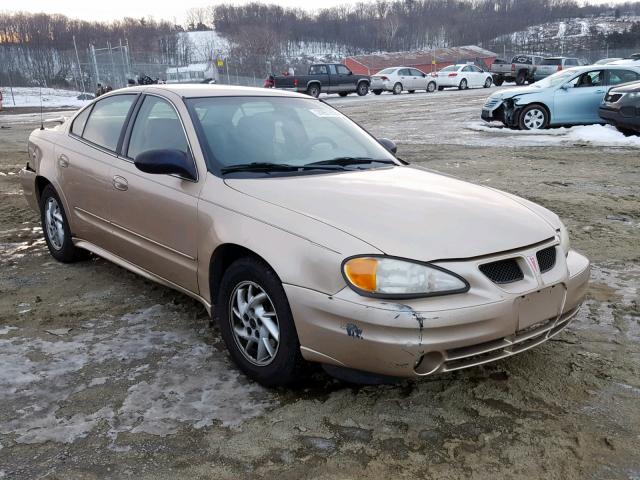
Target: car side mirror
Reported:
[(388, 144), (424, 75), (167, 161), (566, 86)]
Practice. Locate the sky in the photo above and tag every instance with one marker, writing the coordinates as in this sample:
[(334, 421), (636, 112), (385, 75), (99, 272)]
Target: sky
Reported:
[(159, 9)]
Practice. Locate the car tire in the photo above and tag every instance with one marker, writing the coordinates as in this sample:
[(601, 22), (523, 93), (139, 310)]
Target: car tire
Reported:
[(627, 132), (463, 84), (397, 89), (488, 82), (55, 227), (363, 89), (411, 91), (533, 117), (521, 78), (431, 87), (498, 81), (376, 92), (343, 94), (269, 322), (440, 89), (313, 90)]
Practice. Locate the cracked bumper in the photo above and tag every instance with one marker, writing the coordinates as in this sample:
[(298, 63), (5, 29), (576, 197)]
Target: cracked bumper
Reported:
[(438, 334)]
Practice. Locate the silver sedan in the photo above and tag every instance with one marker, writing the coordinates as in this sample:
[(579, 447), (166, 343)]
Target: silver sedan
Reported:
[(400, 79)]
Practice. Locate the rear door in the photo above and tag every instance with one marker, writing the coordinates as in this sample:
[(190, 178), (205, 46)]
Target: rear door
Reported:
[(155, 215), (579, 102), (405, 78), (84, 161)]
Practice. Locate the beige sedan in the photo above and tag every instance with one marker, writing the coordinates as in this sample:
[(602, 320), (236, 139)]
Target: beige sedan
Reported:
[(311, 240)]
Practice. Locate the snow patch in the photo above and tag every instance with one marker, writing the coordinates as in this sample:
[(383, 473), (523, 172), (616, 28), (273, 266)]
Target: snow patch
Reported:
[(51, 97), (6, 329)]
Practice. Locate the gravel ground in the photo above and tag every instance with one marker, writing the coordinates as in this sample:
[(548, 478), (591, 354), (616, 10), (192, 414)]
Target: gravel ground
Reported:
[(106, 375)]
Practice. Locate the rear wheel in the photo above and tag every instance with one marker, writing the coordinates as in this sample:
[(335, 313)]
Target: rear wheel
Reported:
[(363, 89), (257, 325), (377, 92), (463, 84), (533, 117), (431, 87), (627, 132), (397, 89), (498, 81), (313, 90), (56, 228), (343, 94), (440, 89), (411, 91), (521, 78), (487, 82)]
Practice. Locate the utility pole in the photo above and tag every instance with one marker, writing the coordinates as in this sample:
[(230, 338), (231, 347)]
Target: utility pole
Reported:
[(92, 50), (79, 67)]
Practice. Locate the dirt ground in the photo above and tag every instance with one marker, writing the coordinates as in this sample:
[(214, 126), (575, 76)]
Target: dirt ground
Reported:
[(106, 375)]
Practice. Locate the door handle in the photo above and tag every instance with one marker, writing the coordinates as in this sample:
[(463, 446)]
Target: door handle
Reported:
[(63, 161), (120, 183), (599, 91)]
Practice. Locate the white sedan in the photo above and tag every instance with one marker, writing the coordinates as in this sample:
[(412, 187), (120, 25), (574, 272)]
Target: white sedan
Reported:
[(400, 79), (463, 76)]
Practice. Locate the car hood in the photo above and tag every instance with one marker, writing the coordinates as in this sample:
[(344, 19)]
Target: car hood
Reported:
[(627, 88), (409, 212)]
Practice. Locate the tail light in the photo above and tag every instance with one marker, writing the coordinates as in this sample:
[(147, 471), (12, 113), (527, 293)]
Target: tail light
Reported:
[(384, 79), (295, 82), (513, 67), (453, 74), (559, 67)]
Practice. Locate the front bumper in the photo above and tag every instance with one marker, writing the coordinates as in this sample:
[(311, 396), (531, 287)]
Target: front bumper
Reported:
[(629, 118), (28, 182), (439, 334)]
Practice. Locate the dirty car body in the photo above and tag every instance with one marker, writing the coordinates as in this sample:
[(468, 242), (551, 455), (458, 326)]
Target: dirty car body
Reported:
[(308, 237), (568, 97)]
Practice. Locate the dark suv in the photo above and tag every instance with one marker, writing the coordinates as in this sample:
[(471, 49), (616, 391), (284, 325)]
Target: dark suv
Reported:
[(621, 107)]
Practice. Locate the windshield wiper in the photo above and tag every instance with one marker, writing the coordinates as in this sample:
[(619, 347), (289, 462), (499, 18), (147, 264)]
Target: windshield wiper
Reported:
[(346, 161), (272, 167)]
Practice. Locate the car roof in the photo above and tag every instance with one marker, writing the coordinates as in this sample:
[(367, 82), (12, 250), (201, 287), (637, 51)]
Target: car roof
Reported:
[(187, 90)]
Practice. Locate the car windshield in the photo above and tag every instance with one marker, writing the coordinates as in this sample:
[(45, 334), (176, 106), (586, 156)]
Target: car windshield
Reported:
[(386, 71), (295, 132), (556, 79)]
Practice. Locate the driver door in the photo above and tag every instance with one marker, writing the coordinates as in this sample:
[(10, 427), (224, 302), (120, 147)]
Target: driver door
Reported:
[(578, 100), (154, 216)]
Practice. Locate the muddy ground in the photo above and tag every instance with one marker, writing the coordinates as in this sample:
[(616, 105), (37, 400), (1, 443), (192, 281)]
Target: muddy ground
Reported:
[(106, 375)]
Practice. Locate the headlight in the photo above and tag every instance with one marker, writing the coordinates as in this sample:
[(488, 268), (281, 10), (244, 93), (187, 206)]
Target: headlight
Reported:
[(388, 277), (565, 243)]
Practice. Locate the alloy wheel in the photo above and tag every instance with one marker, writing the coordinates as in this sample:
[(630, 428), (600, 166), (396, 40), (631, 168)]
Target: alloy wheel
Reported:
[(54, 223), (254, 323)]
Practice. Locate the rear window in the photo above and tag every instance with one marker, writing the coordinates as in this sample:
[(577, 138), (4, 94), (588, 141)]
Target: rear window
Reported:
[(521, 59), (551, 61), (107, 119), (450, 68), (386, 71)]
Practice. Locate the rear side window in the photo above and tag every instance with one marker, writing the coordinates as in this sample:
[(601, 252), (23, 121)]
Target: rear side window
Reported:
[(318, 70), (616, 77), (405, 71), (78, 124), (107, 119), (157, 127)]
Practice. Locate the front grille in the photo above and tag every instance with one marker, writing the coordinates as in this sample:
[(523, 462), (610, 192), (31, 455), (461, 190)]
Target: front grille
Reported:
[(503, 271), (546, 259)]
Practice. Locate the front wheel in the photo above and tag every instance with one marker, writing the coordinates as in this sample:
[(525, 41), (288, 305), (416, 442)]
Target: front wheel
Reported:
[(257, 325), (363, 89), (463, 84), (533, 117), (56, 228), (431, 87), (397, 89), (487, 82), (521, 78), (377, 92), (313, 90), (498, 81)]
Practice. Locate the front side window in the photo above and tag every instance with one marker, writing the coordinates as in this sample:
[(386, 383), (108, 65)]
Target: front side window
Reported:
[(593, 78), (157, 127), (291, 131), (404, 72), (416, 73), (342, 70), (107, 119)]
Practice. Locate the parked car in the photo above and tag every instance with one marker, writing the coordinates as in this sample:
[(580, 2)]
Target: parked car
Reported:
[(323, 78), (400, 79), (633, 59), (520, 69), (551, 65), (568, 97), (604, 61), (621, 108), (463, 76), (299, 228)]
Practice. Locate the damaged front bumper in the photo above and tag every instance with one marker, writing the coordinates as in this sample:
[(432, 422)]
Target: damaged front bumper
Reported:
[(439, 334), (505, 111)]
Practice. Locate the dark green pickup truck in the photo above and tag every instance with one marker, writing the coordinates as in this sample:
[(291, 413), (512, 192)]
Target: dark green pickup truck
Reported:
[(325, 78)]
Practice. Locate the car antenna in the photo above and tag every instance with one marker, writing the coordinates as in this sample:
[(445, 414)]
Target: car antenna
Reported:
[(41, 117)]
